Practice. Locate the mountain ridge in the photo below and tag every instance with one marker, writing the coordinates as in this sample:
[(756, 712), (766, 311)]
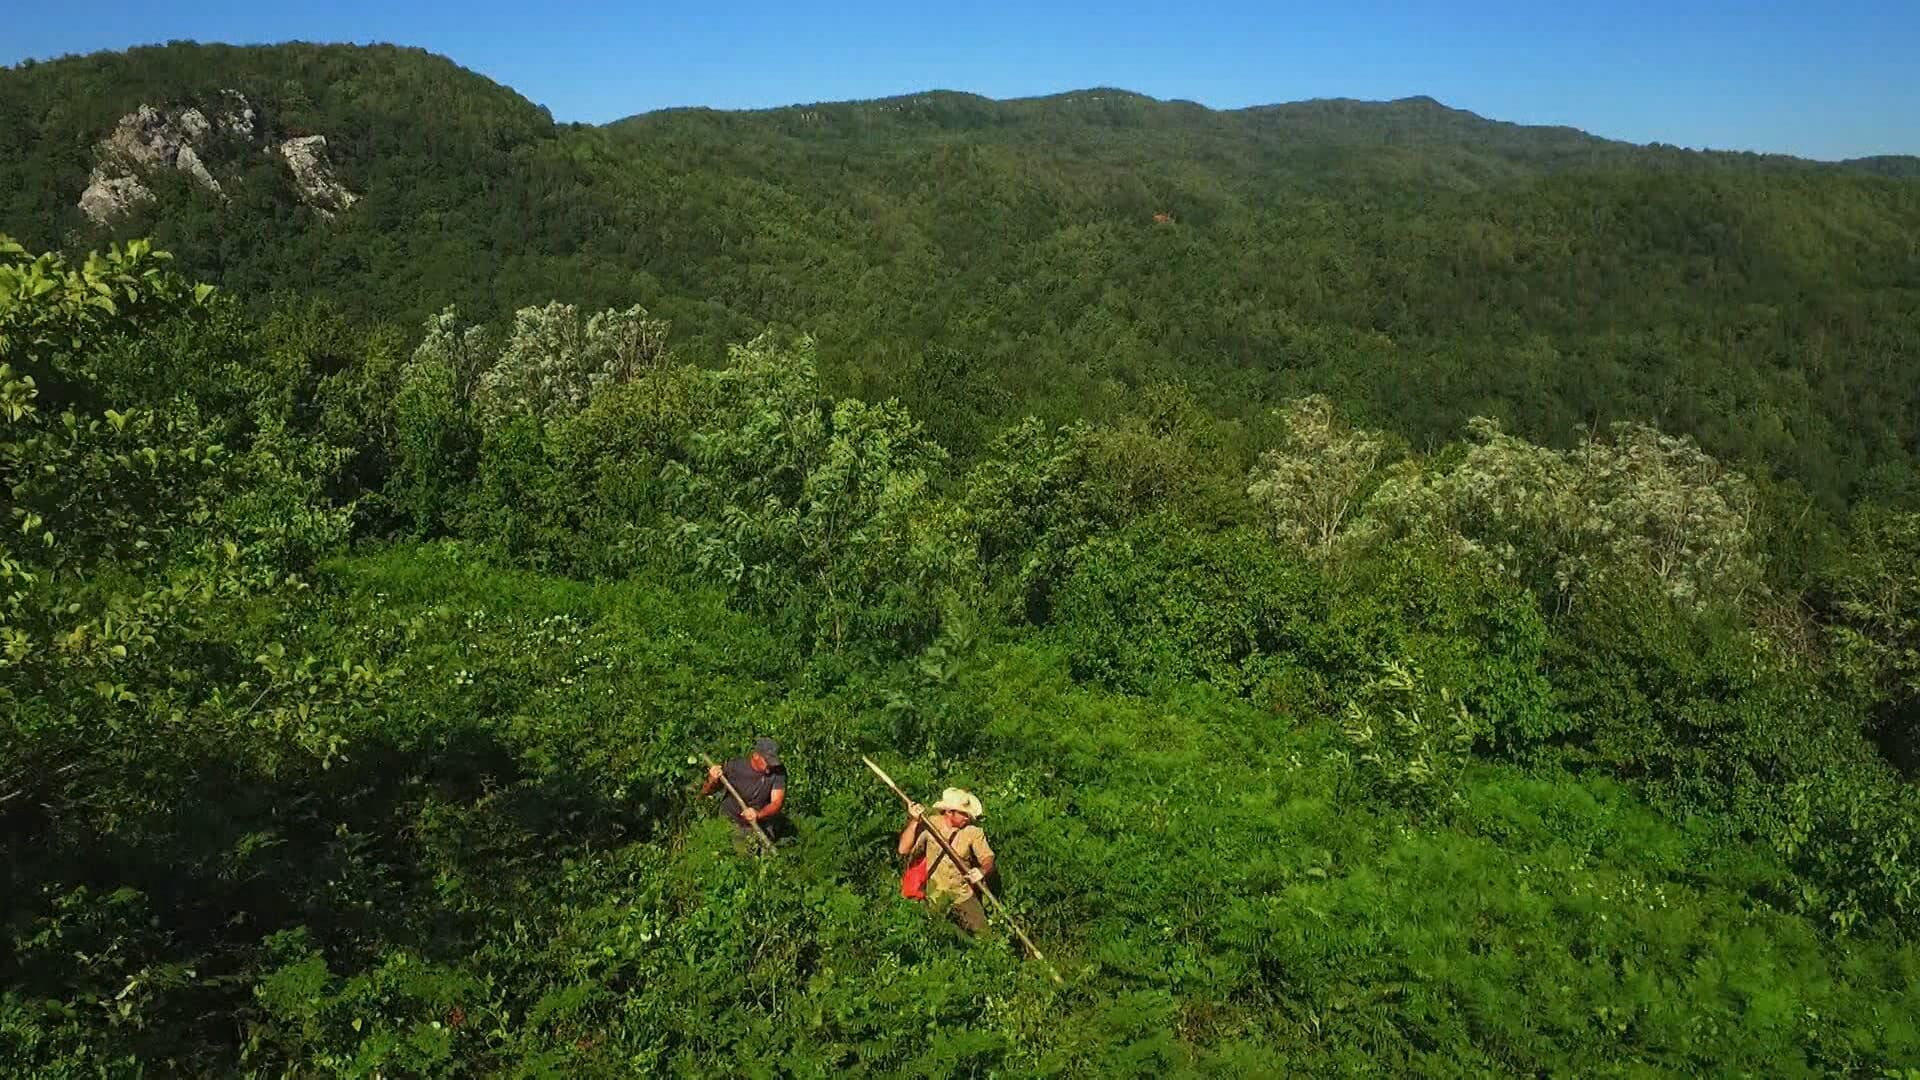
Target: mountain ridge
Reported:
[(1065, 251), (1417, 105), (1417, 119), (1890, 164)]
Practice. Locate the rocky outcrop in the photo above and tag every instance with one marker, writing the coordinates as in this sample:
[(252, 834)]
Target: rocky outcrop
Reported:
[(237, 116), (307, 157), (108, 196), (144, 141), (149, 140)]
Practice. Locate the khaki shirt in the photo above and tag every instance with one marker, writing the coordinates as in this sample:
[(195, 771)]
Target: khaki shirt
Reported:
[(943, 876)]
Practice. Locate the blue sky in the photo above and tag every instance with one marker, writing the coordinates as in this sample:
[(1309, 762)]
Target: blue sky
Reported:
[(1821, 80)]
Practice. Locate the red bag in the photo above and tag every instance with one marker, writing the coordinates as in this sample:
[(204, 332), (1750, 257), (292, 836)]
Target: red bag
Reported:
[(913, 883)]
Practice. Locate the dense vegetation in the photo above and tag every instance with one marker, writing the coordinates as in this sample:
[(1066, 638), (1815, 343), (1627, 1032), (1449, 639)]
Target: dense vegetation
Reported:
[(1337, 706), (983, 261)]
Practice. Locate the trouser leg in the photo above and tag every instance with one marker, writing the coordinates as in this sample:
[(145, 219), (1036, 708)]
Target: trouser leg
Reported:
[(969, 914)]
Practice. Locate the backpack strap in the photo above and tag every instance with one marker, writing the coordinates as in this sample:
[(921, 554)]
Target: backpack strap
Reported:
[(940, 850)]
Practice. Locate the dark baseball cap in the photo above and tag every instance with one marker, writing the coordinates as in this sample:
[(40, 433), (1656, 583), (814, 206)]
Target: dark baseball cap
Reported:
[(768, 749)]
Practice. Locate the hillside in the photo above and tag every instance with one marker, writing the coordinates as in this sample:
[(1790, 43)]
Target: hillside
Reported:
[(1540, 275), (1415, 595)]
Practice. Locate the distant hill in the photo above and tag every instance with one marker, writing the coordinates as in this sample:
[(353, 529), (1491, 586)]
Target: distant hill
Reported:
[(1407, 123), (1059, 255), (1900, 165), (418, 135)]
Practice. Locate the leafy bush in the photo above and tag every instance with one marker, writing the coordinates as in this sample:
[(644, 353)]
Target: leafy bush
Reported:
[(1408, 738), (816, 508), (273, 803), (1710, 724), (1463, 625), (1041, 491), (435, 437), (1874, 592), (1159, 604)]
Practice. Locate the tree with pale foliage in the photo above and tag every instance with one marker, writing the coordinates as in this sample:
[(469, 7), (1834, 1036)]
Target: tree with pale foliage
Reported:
[(1309, 487), (554, 360), (1636, 502), (461, 352), (1664, 506)]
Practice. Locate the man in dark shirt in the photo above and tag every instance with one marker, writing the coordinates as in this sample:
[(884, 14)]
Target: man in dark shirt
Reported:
[(758, 778)]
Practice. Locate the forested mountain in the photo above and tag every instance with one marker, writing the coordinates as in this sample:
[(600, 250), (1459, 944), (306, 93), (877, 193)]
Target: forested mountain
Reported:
[(1417, 595), (1418, 262)]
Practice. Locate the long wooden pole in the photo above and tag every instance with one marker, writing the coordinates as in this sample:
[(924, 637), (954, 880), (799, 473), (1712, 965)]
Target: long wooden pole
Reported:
[(946, 846), (757, 830)]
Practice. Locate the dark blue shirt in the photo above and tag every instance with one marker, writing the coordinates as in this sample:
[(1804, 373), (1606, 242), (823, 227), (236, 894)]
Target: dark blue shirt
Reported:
[(753, 785)]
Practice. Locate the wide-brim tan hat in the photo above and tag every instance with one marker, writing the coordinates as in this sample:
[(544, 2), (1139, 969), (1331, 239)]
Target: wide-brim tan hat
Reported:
[(962, 800)]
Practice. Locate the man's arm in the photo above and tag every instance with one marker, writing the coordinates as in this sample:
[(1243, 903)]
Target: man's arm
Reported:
[(909, 834), (982, 860), (776, 799), (713, 780)]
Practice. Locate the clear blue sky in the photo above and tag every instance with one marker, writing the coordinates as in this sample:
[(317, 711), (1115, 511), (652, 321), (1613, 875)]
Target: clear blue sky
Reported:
[(1821, 80)]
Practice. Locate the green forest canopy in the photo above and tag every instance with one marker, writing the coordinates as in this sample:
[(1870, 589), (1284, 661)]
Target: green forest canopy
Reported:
[(1442, 600), (984, 260)]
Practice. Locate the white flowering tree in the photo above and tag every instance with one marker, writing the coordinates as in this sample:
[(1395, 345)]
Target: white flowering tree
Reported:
[(1660, 504), (554, 360), (1309, 487), (1637, 502), (461, 350)]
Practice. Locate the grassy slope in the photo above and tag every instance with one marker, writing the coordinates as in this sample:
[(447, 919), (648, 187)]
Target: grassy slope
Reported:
[(1217, 894)]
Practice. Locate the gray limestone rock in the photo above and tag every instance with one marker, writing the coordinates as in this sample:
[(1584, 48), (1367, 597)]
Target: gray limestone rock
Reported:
[(149, 139), (313, 172), (108, 196)]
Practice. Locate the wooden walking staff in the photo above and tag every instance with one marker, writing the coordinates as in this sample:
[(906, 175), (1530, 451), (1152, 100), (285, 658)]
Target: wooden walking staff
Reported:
[(757, 830), (955, 856)]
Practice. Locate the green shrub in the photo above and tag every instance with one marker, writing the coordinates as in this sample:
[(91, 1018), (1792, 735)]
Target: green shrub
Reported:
[(435, 443), (1409, 738), (1160, 603), (1464, 627)]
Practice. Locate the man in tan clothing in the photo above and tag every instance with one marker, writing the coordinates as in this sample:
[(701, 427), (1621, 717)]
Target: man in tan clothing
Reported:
[(956, 885)]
